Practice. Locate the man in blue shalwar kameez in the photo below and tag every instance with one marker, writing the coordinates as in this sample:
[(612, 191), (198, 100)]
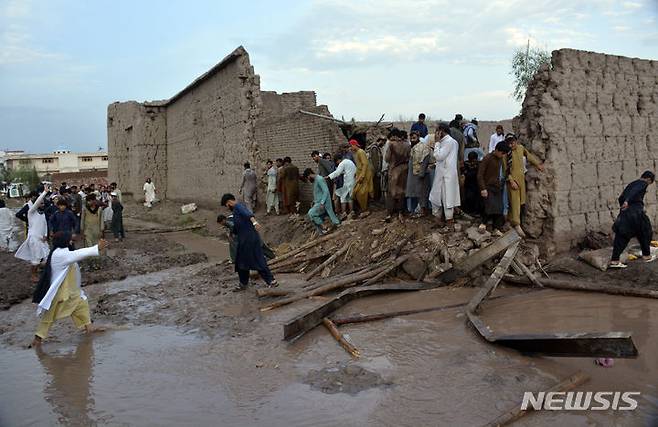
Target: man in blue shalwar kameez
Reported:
[(249, 254), (321, 202)]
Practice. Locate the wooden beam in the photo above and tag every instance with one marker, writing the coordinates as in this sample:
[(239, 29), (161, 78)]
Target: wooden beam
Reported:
[(304, 322), (573, 285), (320, 116), (495, 278), (333, 330)]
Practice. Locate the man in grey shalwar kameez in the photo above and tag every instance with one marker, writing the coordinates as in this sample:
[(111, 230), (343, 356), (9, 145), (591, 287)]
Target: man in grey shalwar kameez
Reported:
[(249, 187), (418, 176)]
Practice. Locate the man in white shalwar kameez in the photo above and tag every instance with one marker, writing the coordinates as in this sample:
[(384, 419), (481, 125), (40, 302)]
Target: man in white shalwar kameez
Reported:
[(35, 247), (445, 188), (149, 193), (347, 169), (10, 229)]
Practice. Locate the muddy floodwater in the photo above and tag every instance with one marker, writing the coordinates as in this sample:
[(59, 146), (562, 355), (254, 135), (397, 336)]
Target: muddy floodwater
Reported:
[(424, 369)]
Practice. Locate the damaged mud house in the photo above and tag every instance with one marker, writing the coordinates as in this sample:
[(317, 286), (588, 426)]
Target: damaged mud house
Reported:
[(592, 117)]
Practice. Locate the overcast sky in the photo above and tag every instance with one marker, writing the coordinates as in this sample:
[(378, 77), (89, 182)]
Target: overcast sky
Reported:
[(62, 62)]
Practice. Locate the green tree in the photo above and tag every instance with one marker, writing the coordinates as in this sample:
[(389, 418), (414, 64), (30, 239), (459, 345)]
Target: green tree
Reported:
[(27, 176), (525, 63)]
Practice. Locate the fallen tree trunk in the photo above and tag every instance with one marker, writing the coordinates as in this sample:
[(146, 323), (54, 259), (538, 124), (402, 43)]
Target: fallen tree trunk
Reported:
[(302, 248), (517, 412), (329, 260), (349, 280), (572, 285), (340, 338)]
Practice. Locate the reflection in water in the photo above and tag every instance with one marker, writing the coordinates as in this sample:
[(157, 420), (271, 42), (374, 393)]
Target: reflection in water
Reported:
[(68, 388)]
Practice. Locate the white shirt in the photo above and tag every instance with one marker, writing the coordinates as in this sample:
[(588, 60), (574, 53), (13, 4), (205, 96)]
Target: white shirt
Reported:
[(347, 168), (271, 179), (61, 260), (494, 140), (37, 221)]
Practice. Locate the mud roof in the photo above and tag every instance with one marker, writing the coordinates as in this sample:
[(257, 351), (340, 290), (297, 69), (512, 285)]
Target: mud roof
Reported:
[(239, 51)]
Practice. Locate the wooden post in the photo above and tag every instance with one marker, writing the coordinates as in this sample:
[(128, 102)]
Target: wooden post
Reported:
[(494, 279), (526, 271), (572, 285), (340, 338)]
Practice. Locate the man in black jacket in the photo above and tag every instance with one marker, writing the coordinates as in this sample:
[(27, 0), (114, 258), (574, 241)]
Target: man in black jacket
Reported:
[(632, 221)]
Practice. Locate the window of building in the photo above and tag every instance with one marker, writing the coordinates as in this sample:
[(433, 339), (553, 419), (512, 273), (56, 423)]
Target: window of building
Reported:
[(47, 160), (24, 161), (87, 159), (105, 158)]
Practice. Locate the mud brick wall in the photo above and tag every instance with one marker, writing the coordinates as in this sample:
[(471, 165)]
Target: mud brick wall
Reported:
[(594, 119), (209, 136), (136, 146), (296, 135), (194, 144), (275, 104)]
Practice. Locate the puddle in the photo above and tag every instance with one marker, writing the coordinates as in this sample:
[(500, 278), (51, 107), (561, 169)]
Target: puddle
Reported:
[(215, 249), (426, 369)]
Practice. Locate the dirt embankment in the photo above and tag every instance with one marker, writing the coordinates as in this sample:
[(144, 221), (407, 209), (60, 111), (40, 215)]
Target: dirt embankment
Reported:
[(15, 283)]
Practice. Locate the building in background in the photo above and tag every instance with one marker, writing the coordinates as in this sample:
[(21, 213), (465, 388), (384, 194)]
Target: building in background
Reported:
[(62, 165)]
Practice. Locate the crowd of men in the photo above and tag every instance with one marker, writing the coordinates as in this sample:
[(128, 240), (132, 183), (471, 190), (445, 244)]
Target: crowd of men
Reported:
[(85, 213), (414, 174)]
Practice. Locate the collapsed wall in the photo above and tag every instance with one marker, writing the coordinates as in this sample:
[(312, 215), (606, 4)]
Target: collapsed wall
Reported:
[(594, 119), (194, 144)]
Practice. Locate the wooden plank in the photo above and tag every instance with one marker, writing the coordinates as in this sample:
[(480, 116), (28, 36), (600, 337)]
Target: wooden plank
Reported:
[(516, 412), (495, 278), (304, 322), (585, 344), (573, 285)]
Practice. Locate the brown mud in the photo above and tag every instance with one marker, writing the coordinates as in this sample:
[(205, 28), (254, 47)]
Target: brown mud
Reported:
[(184, 349)]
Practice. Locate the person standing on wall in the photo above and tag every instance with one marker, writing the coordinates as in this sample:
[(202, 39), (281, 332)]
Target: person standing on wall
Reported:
[(516, 179), (249, 187), (249, 252), (633, 221)]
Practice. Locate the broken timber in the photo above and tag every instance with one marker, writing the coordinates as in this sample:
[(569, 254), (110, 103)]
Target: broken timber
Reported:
[(303, 323), (309, 320), (572, 285), (610, 344), (333, 330)]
